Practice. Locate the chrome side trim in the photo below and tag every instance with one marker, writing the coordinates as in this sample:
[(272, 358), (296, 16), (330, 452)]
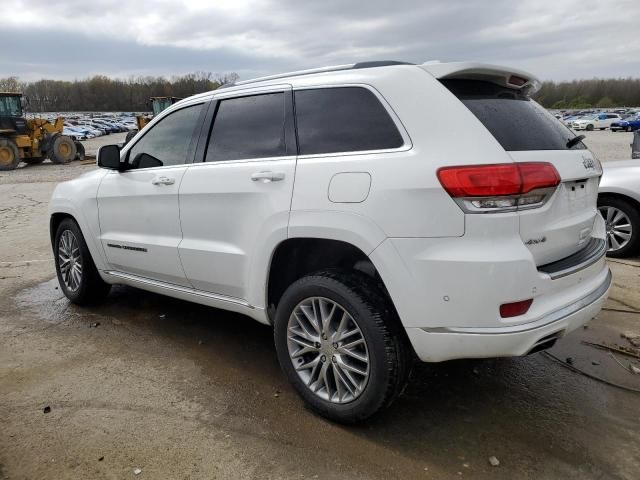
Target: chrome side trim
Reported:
[(177, 288), (548, 319)]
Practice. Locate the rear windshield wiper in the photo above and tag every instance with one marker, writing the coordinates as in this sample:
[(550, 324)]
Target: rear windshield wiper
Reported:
[(575, 140)]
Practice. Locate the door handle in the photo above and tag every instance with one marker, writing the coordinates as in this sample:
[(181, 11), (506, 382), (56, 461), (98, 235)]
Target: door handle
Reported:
[(267, 177), (163, 181)]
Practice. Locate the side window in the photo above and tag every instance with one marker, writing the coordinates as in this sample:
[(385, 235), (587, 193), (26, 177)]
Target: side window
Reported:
[(343, 119), (248, 127), (167, 143)]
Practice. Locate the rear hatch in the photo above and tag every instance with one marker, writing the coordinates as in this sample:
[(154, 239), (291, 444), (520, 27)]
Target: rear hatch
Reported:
[(528, 133)]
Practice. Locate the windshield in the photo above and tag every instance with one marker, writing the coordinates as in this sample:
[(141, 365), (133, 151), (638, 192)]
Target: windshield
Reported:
[(10, 107), (517, 122)]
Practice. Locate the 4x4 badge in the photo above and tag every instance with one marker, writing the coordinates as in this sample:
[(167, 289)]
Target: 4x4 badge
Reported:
[(588, 163)]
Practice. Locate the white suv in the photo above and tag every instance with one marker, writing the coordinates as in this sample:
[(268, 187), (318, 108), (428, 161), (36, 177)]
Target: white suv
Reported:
[(371, 213)]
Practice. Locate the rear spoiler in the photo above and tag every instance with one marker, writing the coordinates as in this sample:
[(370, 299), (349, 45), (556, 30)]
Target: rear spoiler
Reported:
[(503, 76)]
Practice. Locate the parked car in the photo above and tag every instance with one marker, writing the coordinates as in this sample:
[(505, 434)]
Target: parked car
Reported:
[(628, 124), (599, 121), (619, 204), (401, 239)]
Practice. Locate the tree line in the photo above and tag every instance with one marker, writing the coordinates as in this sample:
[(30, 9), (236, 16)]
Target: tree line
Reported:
[(600, 93), (101, 93)]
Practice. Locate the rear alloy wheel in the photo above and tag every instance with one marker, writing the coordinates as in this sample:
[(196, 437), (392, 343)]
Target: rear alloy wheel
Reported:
[(63, 149), (341, 344), (328, 350), (622, 222), (9, 154)]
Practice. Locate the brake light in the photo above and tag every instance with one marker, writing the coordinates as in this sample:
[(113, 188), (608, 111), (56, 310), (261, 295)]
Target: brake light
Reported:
[(496, 187), (515, 309)]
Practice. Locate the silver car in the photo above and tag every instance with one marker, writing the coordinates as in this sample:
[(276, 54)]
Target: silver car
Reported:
[(619, 204)]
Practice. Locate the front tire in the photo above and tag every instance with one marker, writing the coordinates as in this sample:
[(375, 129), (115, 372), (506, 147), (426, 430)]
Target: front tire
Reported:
[(589, 128), (622, 220), (9, 154), (77, 274), (341, 345)]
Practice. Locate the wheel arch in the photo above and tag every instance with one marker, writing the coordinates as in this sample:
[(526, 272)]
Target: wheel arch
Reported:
[(620, 196), (296, 257)]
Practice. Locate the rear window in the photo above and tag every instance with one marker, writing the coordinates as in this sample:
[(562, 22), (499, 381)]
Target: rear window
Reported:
[(517, 122), (343, 119)]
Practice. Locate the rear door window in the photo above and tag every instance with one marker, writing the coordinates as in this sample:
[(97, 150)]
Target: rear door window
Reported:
[(516, 121), (343, 119), (248, 127)]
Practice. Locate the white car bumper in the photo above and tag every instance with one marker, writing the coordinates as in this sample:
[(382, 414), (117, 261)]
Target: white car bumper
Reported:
[(438, 344)]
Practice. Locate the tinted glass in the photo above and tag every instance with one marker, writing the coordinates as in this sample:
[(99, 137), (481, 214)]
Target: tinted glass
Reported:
[(516, 121), (248, 127), (344, 119), (167, 143)]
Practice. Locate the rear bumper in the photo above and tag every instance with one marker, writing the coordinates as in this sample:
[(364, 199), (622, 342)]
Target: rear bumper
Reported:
[(446, 343)]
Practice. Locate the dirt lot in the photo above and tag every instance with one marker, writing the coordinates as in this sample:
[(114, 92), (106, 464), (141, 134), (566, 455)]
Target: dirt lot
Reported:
[(187, 392)]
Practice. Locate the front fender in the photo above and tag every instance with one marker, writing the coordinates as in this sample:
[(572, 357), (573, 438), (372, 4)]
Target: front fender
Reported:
[(78, 199)]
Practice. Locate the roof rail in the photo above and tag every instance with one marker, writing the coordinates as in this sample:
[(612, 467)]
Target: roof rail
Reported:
[(335, 68)]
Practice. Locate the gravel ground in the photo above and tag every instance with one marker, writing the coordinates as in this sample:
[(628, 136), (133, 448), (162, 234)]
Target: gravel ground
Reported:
[(608, 145), (183, 391)]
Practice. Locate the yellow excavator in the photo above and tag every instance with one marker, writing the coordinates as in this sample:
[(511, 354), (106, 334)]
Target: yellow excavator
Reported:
[(158, 104), (32, 140)]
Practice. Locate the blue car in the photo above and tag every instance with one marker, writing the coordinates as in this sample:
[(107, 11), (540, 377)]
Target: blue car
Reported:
[(629, 124)]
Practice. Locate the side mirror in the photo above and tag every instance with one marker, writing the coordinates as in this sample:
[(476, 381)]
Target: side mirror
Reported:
[(109, 157)]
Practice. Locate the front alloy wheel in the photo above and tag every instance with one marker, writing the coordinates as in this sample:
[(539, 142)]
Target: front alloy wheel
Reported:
[(328, 350), (70, 260)]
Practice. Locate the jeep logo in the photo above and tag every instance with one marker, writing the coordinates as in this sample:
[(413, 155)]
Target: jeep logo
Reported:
[(588, 163)]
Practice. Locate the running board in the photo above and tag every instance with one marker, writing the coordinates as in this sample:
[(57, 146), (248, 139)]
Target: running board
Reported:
[(143, 281)]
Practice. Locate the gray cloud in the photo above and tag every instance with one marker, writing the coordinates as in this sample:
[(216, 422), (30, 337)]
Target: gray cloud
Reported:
[(561, 39)]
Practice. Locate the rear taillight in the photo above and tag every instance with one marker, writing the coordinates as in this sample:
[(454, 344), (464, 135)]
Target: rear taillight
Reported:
[(500, 187)]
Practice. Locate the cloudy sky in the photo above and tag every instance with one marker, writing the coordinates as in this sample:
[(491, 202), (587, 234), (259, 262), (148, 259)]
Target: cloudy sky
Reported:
[(555, 39)]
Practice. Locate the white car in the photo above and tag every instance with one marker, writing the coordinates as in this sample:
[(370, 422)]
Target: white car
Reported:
[(619, 204), (358, 224), (598, 121)]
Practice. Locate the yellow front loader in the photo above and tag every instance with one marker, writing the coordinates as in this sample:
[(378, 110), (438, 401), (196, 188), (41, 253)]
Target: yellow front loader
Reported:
[(158, 104), (33, 140)]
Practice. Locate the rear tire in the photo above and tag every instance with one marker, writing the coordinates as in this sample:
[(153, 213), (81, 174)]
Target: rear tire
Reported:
[(9, 154), (77, 274), (62, 149), (616, 229), (343, 397)]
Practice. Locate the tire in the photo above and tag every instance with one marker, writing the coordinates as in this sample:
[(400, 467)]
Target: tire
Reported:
[(62, 149), (603, 128), (130, 135), (373, 319), (628, 129), (589, 128), (80, 153), (81, 286), (33, 161), (608, 206), (9, 154)]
